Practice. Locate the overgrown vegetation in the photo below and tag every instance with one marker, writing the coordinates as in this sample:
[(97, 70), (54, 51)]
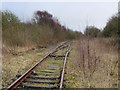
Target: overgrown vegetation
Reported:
[(93, 56), (42, 30), (92, 31), (19, 64), (110, 30), (93, 63)]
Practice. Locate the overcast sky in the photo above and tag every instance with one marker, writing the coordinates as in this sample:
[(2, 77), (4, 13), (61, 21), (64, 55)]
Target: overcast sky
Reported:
[(74, 15)]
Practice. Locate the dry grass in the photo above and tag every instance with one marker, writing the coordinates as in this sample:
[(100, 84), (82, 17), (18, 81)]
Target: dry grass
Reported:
[(92, 64), (18, 64)]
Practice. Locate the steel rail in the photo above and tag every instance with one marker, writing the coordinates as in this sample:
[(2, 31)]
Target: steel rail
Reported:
[(63, 70), (27, 73)]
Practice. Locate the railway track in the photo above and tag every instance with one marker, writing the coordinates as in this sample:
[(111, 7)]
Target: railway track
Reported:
[(47, 73)]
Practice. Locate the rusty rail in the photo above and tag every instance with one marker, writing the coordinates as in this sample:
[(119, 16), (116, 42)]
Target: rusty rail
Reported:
[(63, 70), (27, 73)]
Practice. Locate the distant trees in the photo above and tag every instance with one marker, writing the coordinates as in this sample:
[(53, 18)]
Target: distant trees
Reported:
[(11, 29), (73, 34), (0, 19), (45, 19), (119, 23), (9, 19), (43, 30), (59, 31), (91, 31), (42, 17), (111, 28)]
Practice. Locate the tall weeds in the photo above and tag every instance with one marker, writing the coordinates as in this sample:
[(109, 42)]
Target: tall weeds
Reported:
[(95, 55), (87, 57)]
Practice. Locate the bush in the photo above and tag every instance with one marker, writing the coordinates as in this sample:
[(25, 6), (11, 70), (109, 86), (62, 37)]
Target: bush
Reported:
[(91, 31)]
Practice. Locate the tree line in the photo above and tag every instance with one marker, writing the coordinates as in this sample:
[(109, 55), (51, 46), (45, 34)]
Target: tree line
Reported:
[(43, 29), (110, 30)]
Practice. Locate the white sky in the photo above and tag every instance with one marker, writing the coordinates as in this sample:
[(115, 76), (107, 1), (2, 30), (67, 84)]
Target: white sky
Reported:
[(74, 15), (59, 0)]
